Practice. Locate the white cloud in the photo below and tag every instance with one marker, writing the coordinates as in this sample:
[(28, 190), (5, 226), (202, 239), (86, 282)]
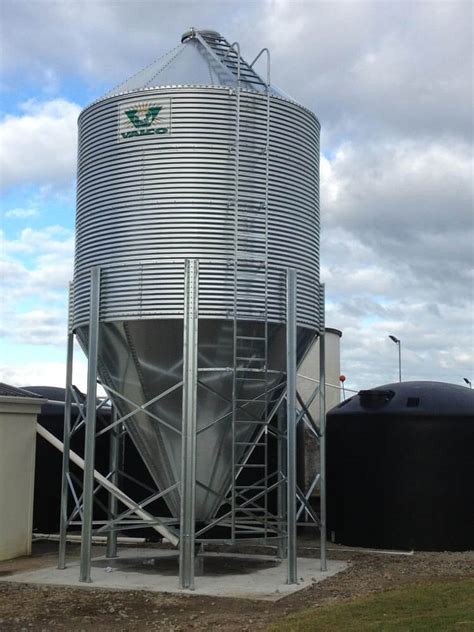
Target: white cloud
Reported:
[(39, 145), (50, 240), (44, 373), (404, 184), (35, 271), (37, 327), (41, 200), (392, 85), (21, 213), (368, 299), (399, 213), (80, 39), (398, 257), (373, 67)]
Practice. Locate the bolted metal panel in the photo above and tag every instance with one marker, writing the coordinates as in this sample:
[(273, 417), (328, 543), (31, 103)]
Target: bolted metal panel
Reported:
[(147, 201)]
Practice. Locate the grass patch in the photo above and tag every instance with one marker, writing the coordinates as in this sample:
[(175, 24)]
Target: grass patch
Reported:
[(431, 607)]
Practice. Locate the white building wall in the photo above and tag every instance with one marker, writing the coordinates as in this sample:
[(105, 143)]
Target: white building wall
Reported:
[(308, 380), (310, 369), (17, 474)]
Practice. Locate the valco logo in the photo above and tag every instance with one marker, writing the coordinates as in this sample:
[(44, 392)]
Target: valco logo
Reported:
[(144, 119)]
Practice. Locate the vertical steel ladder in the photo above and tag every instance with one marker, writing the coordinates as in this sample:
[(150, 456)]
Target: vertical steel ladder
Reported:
[(250, 344)]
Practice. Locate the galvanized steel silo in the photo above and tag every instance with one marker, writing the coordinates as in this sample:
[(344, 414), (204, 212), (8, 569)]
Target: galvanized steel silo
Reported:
[(162, 177)]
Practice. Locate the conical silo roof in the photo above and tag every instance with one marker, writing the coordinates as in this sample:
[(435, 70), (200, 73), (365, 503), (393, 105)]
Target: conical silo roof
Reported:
[(203, 58)]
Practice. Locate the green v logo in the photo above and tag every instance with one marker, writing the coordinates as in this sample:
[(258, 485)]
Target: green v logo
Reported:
[(150, 116)]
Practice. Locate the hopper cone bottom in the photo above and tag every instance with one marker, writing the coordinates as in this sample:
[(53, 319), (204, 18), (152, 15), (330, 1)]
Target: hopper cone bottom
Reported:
[(144, 358)]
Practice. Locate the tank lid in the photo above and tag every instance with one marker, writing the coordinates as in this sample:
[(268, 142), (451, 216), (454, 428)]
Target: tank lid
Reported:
[(375, 398), (206, 33)]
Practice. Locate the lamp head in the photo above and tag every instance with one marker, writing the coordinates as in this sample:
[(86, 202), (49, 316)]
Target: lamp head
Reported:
[(395, 340)]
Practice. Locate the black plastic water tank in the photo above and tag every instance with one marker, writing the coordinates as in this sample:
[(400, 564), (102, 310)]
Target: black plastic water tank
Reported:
[(400, 464)]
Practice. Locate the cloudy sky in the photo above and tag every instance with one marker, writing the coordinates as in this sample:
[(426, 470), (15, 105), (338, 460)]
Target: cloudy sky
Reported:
[(391, 83)]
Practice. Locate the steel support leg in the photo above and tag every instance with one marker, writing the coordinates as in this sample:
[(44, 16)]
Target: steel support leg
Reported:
[(322, 439), (188, 470), (88, 486), (281, 492), (291, 423), (114, 466), (63, 518)]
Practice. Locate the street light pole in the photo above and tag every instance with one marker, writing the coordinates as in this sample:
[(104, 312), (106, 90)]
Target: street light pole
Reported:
[(398, 342)]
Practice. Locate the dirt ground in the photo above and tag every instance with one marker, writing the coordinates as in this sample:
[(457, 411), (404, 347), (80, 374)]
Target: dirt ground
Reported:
[(45, 608)]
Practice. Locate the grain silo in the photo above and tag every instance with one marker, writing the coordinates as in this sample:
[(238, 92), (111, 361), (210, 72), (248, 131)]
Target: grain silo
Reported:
[(197, 250)]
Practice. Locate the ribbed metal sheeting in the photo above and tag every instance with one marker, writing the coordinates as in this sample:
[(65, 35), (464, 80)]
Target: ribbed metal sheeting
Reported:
[(145, 203)]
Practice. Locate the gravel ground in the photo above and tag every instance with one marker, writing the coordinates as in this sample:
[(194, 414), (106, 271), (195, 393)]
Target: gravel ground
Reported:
[(45, 608)]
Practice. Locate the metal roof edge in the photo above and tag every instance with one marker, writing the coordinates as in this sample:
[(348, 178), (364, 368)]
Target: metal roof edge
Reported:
[(194, 86), (331, 330)]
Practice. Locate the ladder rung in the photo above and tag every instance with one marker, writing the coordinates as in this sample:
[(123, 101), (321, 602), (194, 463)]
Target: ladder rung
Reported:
[(254, 292), (256, 143), (209, 37), (249, 256), (247, 78), (255, 297), (247, 198), (250, 205), (245, 70), (250, 509), (250, 267), (252, 363), (249, 465), (231, 59), (230, 51), (252, 231), (251, 276), (254, 422), (249, 443), (250, 358), (255, 215), (252, 224), (252, 228), (249, 235), (251, 338)]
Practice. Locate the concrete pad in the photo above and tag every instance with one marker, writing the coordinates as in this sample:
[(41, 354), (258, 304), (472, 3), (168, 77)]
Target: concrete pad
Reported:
[(222, 574)]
